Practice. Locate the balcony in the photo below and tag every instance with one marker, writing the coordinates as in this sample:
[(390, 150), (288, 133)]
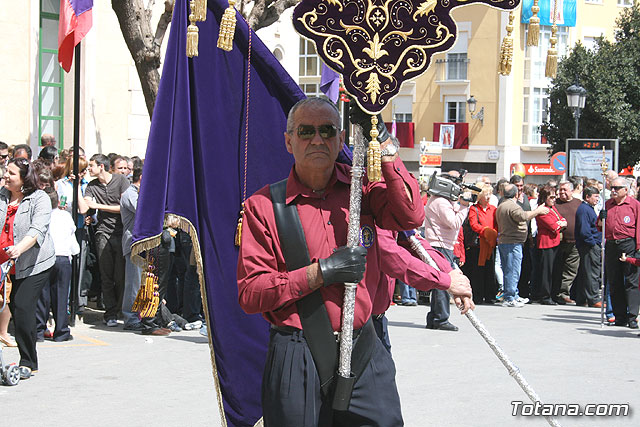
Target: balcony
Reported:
[(451, 75)]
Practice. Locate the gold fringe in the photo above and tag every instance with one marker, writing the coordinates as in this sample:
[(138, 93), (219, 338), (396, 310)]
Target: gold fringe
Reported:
[(374, 160), (506, 50), (192, 33), (238, 238), (551, 68), (227, 27), (533, 36), (141, 246), (200, 10)]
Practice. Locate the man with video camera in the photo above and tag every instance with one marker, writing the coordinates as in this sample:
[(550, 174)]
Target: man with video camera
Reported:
[(445, 212)]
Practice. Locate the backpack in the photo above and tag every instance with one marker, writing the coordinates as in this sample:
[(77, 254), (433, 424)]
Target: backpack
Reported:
[(471, 238)]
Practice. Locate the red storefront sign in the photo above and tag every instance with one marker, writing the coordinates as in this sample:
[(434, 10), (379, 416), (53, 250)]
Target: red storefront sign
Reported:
[(430, 160), (539, 169)]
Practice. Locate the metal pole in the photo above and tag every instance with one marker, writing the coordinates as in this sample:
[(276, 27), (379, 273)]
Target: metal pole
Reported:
[(576, 115), (482, 330), (603, 285), (73, 298), (345, 380)]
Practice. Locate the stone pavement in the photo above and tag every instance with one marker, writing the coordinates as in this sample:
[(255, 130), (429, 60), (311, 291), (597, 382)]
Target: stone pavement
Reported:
[(108, 377)]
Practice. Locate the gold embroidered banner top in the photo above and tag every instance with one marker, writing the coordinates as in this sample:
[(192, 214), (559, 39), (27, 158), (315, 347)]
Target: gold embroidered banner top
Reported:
[(378, 44)]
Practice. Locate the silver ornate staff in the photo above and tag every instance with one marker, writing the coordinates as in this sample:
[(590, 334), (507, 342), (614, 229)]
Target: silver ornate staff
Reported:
[(603, 286), (341, 401), (511, 367)]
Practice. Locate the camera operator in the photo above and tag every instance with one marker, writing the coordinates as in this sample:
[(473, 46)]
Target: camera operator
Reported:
[(444, 218)]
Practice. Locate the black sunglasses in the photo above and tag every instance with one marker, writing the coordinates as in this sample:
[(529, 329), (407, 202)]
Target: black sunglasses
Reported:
[(309, 131), (617, 187), (3, 156)]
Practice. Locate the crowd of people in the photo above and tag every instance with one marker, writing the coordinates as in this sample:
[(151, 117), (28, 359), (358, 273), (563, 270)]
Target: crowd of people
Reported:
[(538, 243), (39, 238)]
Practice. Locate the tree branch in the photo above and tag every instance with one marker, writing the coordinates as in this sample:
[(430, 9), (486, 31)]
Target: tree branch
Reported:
[(163, 23), (266, 12)]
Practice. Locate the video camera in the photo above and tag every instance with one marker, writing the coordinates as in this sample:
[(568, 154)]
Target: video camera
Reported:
[(451, 187)]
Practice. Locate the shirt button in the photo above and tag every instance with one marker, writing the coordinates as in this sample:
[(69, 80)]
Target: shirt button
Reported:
[(299, 293), (328, 222)]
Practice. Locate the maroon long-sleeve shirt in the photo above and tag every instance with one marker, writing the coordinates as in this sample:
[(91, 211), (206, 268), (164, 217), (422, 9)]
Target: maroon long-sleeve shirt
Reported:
[(264, 284)]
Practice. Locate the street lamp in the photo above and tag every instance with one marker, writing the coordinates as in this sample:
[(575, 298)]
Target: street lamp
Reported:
[(471, 103), (576, 97)]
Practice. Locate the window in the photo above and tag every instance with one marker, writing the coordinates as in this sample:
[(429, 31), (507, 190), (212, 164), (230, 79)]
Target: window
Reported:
[(403, 117), (309, 61), (457, 66), (50, 81), (625, 3), (536, 85), (456, 112), (311, 89)]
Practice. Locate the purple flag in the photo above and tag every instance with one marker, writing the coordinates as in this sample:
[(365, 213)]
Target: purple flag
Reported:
[(330, 83)]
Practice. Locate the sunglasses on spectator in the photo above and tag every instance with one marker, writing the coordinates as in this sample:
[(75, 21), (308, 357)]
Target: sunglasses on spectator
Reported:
[(3, 156), (309, 131), (617, 187)]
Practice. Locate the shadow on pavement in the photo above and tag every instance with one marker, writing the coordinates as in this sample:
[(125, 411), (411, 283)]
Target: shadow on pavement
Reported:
[(406, 324), (613, 331), (194, 339)]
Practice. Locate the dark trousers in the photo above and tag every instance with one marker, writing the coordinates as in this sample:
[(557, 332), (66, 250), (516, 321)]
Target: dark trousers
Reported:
[(588, 281), (623, 278), (547, 290), (291, 394), (55, 295), (440, 311), (565, 268), (482, 277), (24, 299), (111, 261), (534, 282), (380, 324), (524, 282)]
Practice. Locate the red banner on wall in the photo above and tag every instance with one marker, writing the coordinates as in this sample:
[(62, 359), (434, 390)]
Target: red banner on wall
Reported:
[(460, 134), (404, 133)]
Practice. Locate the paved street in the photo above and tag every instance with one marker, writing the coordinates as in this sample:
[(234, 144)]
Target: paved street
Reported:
[(108, 377)]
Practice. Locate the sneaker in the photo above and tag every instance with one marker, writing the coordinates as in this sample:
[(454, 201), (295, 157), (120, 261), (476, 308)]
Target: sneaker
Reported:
[(191, 326), (203, 331), (500, 296), (513, 303), (523, 300), (138, 326), (173, 327), (111, 323)]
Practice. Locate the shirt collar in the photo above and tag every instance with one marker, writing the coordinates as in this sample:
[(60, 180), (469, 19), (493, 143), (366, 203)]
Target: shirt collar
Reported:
[(295, 188)]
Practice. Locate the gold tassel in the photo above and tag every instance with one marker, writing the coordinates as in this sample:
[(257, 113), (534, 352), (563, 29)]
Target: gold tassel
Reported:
[(506, 50), (551, 67), (192, 33), (200, 10), (374, 165), (227, 27), (238, 238), (534, 25)]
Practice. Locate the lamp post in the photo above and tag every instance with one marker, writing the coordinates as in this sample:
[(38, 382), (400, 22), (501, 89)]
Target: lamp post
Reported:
[(471, 103), (576, 97)]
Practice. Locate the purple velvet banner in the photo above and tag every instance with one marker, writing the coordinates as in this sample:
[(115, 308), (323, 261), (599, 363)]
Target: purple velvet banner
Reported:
[(195, 167)]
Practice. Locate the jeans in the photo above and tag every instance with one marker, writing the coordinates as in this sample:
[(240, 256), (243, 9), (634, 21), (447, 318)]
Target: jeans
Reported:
[(408, 293), (132, 281), (511, 259)]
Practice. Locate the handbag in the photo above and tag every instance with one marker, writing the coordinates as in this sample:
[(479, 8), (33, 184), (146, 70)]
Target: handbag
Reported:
[(471, 238)]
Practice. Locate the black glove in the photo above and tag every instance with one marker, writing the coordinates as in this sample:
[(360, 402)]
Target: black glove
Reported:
[(359, 117), (345, 265), (603, 214)]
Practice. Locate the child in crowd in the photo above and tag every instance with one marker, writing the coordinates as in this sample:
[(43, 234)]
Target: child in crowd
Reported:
[(56, 293)]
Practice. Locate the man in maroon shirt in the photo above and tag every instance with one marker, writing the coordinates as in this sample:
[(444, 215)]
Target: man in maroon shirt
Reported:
[(622, 233), (319, 188)]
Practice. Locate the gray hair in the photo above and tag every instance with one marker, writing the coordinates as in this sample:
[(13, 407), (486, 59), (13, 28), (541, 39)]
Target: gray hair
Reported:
[(320, 100), (620, 182), (569, 183), (510, 191)]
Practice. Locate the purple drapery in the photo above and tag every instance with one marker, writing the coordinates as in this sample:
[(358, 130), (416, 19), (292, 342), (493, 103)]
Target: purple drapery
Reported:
[(195, 168)]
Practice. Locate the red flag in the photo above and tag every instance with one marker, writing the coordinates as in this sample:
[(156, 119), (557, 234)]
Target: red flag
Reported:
[(75, 23)]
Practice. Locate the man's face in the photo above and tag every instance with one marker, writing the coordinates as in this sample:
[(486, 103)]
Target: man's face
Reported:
[(312, 150), (121, 166), (4, 156), (520, 186), (94, 168), (564, 193), (593, 199), (618, 190)]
